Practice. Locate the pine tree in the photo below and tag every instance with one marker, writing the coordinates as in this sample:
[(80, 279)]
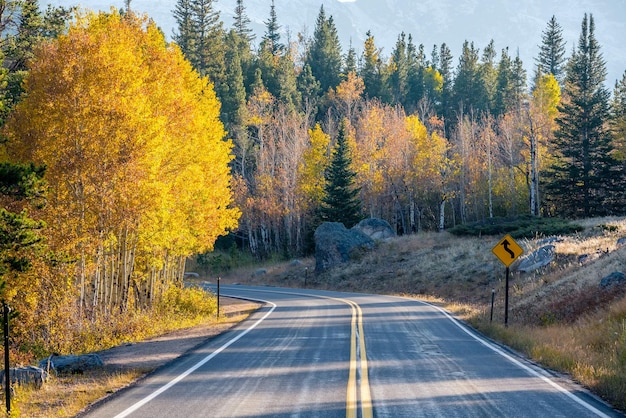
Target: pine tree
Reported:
[(371, 69), (201, 37), (271, 38), (341, 198), (503, 85), (618, 117), (242, 23), (324, 54), (552, 59), (234, 100), (470, 92), (583, 173), (445, 108), (416, 76), (399, 71), (349, 62)]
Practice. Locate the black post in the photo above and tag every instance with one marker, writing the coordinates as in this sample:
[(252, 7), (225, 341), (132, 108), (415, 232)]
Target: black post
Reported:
[(7, 368), (506, 300), (493, 298), (306, 274), (218, 297)]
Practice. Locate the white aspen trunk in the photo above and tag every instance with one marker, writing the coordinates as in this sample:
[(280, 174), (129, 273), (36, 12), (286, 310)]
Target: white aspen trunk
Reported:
[(442, 215)]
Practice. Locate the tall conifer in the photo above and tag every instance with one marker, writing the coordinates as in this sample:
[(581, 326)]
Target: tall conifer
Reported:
[(324, 54), (341, 198), (552, 59), (583, 175)]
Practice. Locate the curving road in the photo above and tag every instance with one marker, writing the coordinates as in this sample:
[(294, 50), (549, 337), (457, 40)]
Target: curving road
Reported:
[(329, 354)]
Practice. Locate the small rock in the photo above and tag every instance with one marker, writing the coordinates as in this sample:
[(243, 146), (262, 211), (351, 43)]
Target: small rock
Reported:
[(621, 241), (617, 278)]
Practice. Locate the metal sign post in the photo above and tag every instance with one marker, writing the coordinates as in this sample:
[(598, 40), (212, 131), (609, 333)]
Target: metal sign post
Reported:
[(218, 297), (507, 251)]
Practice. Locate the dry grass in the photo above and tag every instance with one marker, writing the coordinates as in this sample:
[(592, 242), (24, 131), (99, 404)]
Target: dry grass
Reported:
[(65, 396), (559, 316)]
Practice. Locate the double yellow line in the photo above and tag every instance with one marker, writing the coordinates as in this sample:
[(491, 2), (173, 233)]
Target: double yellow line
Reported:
[(358, 356), (358, 376)]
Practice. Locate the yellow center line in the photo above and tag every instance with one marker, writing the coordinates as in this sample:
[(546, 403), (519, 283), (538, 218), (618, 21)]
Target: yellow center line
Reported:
[(356, 357)]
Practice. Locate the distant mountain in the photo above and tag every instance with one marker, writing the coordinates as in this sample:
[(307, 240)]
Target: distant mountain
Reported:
[(516, 24)]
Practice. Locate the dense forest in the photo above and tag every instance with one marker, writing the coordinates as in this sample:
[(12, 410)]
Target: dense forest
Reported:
[(432, 143), (123, 154)]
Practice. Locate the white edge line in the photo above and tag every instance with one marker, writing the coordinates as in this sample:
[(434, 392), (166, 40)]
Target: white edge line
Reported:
[(195, 367), (521, 365)]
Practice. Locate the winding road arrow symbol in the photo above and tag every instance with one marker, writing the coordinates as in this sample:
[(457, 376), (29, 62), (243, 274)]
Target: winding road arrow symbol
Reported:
[(506, 244)]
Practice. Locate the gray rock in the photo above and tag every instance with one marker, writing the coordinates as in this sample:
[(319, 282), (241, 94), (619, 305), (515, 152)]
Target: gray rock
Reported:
[(334, 244), (376, 229), (30, 375), (537, 259), (295, 263), (191, 274), (617, 278), (260, 272), (72, 364)]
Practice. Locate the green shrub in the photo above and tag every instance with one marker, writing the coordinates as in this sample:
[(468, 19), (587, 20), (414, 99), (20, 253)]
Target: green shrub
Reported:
[(518, 227)]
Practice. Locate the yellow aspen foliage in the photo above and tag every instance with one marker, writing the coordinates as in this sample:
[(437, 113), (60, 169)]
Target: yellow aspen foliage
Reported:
[(135, 153), (315, 160)]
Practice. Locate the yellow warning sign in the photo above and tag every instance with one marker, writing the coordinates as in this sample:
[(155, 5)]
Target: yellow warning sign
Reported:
[(507, 250)]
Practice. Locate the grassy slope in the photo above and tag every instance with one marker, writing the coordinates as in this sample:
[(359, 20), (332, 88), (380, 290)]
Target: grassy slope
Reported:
[(558, 315)]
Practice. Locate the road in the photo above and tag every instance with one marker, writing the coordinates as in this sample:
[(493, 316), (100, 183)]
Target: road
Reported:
[(328, 354)]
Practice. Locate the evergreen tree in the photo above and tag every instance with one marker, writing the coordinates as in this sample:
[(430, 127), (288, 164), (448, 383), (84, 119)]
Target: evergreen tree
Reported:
[(399, 71), (583, 173), (341, 198), (308, 86), (324, 54), (234, 100), (416, 76), (618, 120), (200, 37), (271, 38), (488, 73), (350, 65), (470, 92), (519, 82), (242, 23), (445, 69), (552, 59), (18, 232), (371, 69), (503, 85)]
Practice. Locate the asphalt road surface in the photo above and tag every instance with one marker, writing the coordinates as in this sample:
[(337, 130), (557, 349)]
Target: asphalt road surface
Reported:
[(328, 354)]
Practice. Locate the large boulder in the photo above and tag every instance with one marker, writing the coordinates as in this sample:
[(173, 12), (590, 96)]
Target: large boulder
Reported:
[(335, 244), (376, 229), (72, 364), (537, 259)]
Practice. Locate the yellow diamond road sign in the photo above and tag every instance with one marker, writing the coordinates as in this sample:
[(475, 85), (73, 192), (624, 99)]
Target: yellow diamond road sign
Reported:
[(507, 250)]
